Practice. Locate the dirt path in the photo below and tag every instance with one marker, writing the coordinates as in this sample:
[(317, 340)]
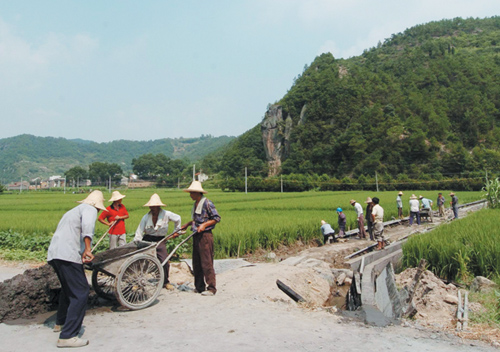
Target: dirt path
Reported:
[(249, 313)]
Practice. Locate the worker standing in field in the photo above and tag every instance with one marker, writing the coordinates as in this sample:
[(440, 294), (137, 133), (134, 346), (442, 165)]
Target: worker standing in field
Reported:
[(114, 217), (204, 218), (378, 223), (399, 203), (414, 209), (440, 203), (369, 221), (360, 218), (454, 204), (154, 227), (341, 221), (69, 249)]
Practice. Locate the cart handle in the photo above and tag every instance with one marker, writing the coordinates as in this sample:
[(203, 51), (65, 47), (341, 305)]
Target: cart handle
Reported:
[(176, 247), (105, 233)]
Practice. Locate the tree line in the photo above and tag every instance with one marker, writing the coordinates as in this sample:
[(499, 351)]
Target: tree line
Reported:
[(160, 168)]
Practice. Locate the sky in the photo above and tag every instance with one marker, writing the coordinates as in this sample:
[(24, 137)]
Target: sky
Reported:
[(146, 70)]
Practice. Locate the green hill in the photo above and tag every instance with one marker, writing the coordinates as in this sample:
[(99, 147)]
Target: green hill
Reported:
[(27, 155), (425, 101)]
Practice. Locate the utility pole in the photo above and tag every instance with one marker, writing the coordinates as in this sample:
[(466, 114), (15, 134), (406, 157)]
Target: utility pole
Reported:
[(246, 180), (109, 183), (376, 179), (194, 171), (281, 183)]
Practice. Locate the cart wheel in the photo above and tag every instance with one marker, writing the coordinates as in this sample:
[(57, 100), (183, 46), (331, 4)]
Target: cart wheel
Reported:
[(103, 284), (139, 281)]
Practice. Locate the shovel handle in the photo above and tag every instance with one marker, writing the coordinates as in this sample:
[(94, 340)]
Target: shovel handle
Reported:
[(105, 233), (177, 247)]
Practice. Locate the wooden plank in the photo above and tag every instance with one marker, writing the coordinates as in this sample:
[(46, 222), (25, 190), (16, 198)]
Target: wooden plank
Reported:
[(289, 292)]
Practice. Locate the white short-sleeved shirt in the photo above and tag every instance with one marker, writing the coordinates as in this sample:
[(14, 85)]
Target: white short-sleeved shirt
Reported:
[(164, 217), (68, 240), (378, 213), (358, 208), (414, 205)]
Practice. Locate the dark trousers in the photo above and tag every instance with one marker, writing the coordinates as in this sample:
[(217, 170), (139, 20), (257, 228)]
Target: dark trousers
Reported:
[(369, 225), (161, 254), (414, 214), (361, 227), (73, 297), (203, 262)]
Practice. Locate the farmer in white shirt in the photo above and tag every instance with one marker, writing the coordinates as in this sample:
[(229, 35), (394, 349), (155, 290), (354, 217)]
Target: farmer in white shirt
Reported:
[(154, 227), (69, 248), (414, 209), (361, 220), (378, 223)]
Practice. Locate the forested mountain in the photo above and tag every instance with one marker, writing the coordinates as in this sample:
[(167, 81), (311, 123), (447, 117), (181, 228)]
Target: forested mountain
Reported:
[(27, 155), (425, 101)]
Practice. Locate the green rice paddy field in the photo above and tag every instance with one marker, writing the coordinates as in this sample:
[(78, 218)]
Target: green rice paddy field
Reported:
[(249, 221)]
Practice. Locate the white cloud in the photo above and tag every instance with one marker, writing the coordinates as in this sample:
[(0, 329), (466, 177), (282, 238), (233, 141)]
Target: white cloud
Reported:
[(22, 63)]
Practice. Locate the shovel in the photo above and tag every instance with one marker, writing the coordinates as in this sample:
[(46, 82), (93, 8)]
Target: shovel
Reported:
[(105, 233)]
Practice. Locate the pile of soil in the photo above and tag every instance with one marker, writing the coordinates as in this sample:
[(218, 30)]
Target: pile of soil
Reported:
[(436, 302), (437, 305), (36, 291)]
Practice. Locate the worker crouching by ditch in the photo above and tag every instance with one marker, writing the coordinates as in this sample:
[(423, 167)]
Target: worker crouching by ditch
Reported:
[(154, 227), (328, 232), (69, 249), (378, 223), (204, 219)]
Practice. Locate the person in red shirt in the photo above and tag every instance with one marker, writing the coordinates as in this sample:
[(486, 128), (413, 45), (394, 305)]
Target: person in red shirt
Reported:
[(115, 216)]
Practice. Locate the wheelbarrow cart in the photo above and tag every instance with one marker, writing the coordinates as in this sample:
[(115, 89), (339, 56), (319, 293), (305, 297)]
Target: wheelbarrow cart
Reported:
[(131, 274)]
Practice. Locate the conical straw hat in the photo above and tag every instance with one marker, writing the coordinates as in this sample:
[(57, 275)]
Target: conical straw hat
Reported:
[(116, 196), (154, 201), (195, 187), (95, 198)]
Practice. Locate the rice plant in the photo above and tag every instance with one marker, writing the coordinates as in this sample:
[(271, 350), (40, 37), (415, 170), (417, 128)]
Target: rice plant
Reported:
[(249, 221), (460, 250)]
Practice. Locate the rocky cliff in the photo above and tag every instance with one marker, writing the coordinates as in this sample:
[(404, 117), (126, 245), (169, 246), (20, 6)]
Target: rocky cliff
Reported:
[(276, 133)]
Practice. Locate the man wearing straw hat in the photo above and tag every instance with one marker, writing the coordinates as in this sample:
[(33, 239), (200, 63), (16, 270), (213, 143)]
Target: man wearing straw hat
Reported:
[(69, 248), (399, 203), (414, 209), (204, 219), (114, 217), (154, 227)]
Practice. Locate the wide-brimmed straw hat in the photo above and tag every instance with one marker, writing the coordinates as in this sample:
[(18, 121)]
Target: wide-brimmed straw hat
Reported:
[(400, 193), (352, 201), (413, 196), (154, 201), (420, 197), (116, 196), (368, 200), (95, 198), (452, 194), (195, 187)]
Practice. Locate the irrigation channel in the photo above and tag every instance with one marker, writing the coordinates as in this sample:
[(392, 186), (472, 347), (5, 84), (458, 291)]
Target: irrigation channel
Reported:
[(250, 312), (373, 285)]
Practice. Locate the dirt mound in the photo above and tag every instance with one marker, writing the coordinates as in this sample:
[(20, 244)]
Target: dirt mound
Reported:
[(436, 302), (33, 292)]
